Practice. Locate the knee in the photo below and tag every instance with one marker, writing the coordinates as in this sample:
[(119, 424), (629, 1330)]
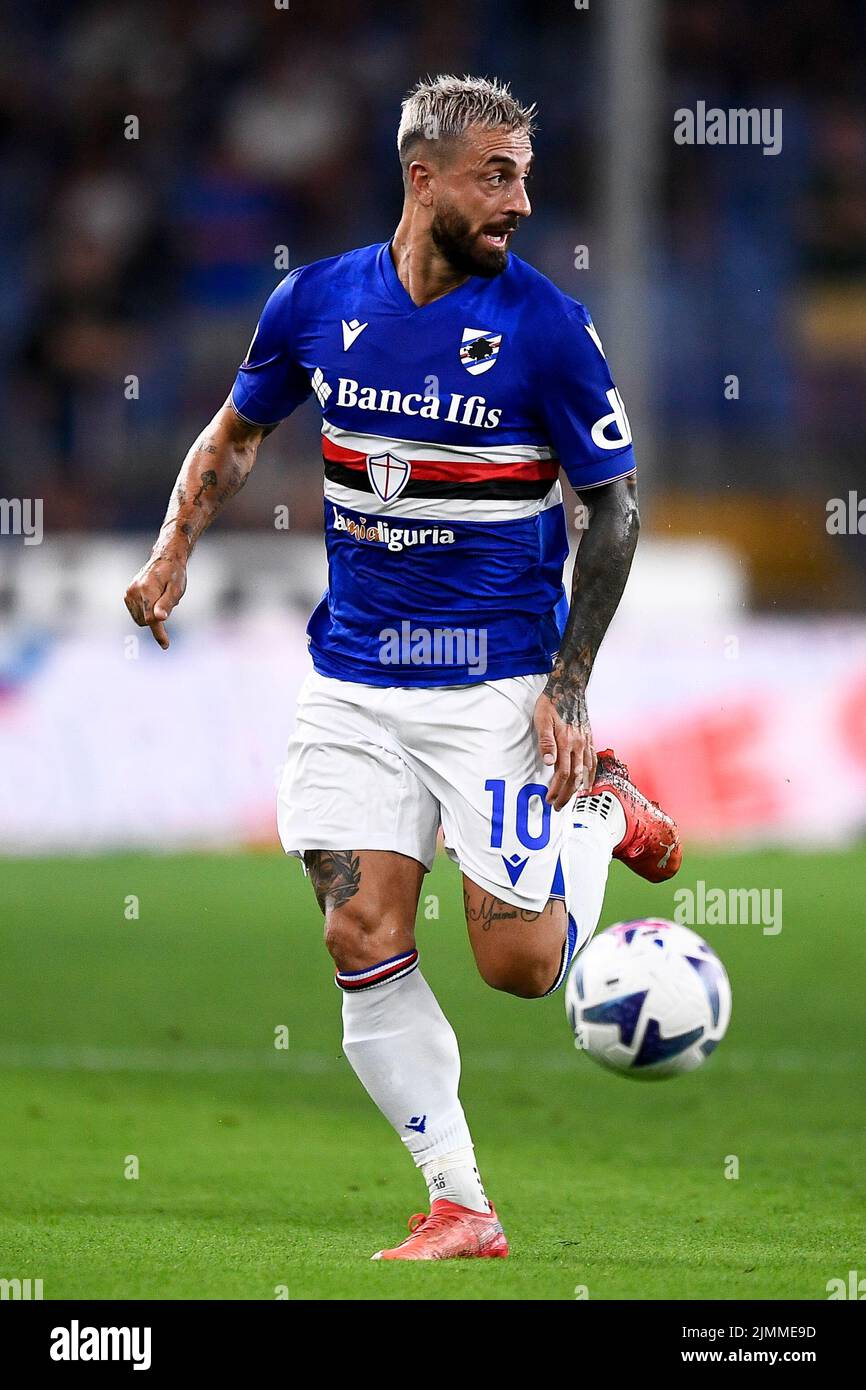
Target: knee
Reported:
[(357, 937), (527, 977)]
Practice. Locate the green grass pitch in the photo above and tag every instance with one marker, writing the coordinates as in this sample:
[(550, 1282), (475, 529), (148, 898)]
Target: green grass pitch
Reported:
[(262, 1169)]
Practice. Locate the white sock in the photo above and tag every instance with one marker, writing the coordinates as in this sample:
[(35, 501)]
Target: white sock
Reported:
[(455, 1176), (404, 1052), (598, 826)]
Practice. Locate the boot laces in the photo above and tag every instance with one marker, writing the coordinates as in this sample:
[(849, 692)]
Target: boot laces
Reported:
[(430, 1221)]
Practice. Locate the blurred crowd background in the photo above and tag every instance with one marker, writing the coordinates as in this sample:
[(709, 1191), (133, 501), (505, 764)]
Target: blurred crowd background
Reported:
[(262, 127), (132, 272)]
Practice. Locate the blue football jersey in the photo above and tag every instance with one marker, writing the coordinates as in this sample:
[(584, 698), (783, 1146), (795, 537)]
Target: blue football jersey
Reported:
[(443, 431)]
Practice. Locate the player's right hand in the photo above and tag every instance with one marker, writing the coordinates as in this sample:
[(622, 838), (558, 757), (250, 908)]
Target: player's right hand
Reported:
[(156, 589)]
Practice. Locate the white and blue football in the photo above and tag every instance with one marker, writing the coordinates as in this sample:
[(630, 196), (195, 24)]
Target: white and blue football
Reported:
[(648, 999)]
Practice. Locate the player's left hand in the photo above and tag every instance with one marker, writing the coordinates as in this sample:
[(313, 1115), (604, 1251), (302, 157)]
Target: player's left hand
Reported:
[(566, 745)]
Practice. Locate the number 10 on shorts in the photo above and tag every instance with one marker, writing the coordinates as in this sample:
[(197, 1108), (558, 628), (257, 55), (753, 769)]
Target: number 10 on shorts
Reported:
[(522, 810)]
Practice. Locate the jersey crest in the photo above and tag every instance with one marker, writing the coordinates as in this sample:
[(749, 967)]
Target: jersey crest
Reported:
[(479, 350), (388, 475)]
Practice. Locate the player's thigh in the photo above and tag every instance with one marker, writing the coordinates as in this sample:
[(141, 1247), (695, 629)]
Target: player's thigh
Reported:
[(346, 783), (516, 949), (483, 765), (361, 819), (369, 899)]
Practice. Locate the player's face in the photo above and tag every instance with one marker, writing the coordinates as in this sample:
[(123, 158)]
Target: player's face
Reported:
[(479, 198)]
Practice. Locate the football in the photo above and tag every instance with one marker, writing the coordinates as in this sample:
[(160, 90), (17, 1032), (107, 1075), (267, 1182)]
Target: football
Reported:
[(648, 998)]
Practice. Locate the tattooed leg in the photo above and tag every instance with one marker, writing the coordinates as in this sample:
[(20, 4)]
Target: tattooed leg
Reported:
[(515, 950), (369, 899), (335, 875)]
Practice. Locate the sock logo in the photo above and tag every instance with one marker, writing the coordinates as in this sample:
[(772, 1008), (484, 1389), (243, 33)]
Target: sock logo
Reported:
[(515, 866), (418, 1123)]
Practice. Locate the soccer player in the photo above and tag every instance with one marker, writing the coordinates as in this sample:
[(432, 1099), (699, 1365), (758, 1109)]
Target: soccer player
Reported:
[(450, 671)]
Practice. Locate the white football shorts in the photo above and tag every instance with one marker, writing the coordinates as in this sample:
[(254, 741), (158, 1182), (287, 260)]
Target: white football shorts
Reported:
[(382, 767)]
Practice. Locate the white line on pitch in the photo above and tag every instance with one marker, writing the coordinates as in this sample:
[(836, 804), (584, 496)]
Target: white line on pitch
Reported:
[(99, 1058)]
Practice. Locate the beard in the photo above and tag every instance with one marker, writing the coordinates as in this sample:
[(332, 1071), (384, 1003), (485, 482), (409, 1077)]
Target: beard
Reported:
[(462, 248)]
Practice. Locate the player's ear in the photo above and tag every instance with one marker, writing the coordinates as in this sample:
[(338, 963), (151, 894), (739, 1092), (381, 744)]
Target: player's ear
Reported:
[(418, 178)]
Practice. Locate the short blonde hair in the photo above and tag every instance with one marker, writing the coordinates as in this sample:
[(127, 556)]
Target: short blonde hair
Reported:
[(444, 107)]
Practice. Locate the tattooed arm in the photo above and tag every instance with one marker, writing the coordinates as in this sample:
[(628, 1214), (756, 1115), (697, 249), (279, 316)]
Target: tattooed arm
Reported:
[(600, 571), (216, 467)]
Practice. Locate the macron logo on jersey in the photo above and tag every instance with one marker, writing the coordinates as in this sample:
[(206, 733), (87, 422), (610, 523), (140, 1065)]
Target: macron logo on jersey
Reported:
[(351, 331)]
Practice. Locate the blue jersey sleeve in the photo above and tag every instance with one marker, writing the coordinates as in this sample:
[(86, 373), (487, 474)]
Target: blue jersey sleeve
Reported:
[(270, 383), (582, 410)]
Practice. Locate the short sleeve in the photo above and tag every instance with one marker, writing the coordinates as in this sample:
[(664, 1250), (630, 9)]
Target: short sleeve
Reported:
[(582, 410), (270, 383)]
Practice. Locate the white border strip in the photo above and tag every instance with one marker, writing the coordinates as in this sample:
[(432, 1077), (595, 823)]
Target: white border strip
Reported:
[(439, 509), (421, 452)]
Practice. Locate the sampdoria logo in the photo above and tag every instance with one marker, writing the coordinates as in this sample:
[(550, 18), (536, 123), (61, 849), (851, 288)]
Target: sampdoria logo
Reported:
[(479, 350)]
